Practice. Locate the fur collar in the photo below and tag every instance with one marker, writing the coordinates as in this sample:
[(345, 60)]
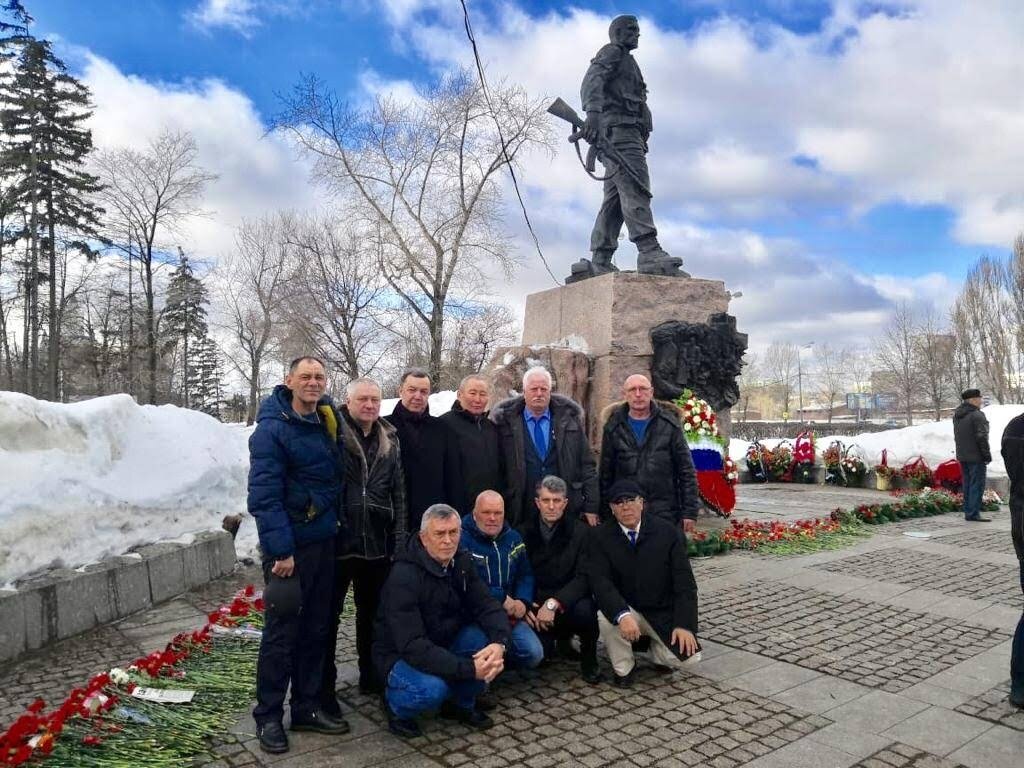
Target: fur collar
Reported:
[(386, 432)]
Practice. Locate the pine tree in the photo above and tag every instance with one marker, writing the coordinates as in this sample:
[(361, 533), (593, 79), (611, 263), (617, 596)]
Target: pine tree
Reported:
[(44, 143), (183, 321), (206, 394)]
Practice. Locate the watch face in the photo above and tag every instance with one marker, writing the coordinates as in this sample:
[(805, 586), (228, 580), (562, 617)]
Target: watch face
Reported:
[(550, 605)]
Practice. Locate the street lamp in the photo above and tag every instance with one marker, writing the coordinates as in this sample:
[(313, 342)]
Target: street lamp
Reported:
[(800, 379)]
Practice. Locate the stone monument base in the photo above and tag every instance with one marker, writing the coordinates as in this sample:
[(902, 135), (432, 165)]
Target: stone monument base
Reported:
[(609, 318)]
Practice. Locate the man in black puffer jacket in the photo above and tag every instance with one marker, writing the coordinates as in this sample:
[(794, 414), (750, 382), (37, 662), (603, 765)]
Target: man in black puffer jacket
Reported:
[(428, 450), (1013, 458), (556, 544), (970, 433), (372, 528), (643, 441), (475, 441), (440, 635)]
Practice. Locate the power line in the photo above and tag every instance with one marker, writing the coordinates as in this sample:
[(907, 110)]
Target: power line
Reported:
[(501, 138)]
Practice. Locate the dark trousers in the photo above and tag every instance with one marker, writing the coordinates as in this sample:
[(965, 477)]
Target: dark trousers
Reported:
[(292, 647), (366, 577), (624, 200), (974, 487), (1017, 655), (580, 618)]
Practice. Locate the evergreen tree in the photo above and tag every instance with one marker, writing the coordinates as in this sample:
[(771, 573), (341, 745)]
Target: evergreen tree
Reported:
[(183, 321), (44, 143), (206, 394)]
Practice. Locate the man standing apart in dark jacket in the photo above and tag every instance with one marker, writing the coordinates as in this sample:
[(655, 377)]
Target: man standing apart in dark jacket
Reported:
[(1013, 458), (644, 587), (372, 528), (556, 544), (970, 433), (541, 434), (501, 561), (428, 455), (643, 441), (475, 441), (439, 635), (295, 488)]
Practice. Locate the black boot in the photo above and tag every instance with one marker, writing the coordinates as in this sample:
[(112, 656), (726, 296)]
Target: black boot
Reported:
[(272, 737)]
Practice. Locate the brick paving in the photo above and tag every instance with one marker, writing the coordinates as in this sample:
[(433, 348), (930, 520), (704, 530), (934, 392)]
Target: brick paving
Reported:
[(956, 576), (902, 756), (876, 645), (988, 541), (993, 705)]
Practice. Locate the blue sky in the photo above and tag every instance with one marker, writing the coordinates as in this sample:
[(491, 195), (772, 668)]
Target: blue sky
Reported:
[(823, 137)]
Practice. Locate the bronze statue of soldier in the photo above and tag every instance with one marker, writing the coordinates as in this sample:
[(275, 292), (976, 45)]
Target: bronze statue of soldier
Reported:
[(617, 126)]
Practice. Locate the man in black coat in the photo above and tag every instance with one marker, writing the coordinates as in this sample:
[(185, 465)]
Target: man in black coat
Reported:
[(373, 519), (475, 441), (541, 434), (970, 434), (563, 606), (1013, 458), (643, 441), (644, 587), (428, 456), (440, 635)]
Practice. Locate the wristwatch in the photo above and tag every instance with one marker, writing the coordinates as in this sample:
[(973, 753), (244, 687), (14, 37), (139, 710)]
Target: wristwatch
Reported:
[(552, 604)]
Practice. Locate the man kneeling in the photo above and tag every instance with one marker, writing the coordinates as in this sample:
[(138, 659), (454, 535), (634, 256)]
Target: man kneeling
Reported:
[(439, 635), (644, 586)]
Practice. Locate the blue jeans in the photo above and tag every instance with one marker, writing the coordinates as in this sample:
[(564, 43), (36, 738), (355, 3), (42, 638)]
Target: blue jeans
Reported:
[(974, 487), (410, 693), (525, 650)]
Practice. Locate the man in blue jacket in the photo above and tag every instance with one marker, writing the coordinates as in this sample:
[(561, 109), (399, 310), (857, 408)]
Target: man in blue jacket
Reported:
[(500, 557), (296, 472)]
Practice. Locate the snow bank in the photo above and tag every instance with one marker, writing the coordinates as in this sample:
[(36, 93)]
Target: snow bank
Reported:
[(933, 440), (91, 479), (439, 403)]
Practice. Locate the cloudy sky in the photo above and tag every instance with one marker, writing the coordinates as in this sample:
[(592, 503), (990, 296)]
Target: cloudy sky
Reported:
[(827, 159)]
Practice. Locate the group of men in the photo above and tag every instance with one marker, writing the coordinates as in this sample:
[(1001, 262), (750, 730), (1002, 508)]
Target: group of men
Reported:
[(472, 542)]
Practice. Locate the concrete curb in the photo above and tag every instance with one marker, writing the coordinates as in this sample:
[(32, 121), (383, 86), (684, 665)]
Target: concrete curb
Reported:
[(62, 603)]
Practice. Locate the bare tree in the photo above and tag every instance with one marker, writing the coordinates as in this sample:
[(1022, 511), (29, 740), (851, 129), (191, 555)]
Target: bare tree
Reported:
[(149, 194), (897, 356), (425, 173), (831, 373), (780, 366), (964, 368), (749, 382), (250, 288), (988, 313), (935, 360)]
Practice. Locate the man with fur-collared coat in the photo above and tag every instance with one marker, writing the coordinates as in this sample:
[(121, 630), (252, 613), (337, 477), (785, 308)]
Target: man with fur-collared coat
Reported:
[(643, 441), (541, 434)]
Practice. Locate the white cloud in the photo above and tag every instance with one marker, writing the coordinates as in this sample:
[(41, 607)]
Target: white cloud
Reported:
[(239, 15)]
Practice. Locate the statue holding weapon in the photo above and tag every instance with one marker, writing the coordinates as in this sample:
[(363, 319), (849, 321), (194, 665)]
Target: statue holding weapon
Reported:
[(616, 127)]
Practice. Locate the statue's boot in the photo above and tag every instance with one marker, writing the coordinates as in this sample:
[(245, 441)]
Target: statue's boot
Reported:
[(602, 262), (652, 259)]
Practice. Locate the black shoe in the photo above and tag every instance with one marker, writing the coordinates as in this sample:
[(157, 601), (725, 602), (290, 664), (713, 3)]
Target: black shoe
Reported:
[(978, 519), (406, 729), (318, 721), (1017, 700), (272, 737), (626, 681), (331, 708), (590, 671), (486, 702), (474, 718)]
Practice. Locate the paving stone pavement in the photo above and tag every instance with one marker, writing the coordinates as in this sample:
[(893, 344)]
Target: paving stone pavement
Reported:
[(809, 662)]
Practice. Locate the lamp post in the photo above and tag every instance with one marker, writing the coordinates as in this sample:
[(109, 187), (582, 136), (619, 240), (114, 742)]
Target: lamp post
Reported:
[(800, 380)]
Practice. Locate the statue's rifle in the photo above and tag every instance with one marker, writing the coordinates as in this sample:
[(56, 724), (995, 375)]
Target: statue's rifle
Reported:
[(563, 111)]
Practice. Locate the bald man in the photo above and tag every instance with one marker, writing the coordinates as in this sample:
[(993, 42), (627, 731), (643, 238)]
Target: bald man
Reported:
[(643, 441), (500, 557)]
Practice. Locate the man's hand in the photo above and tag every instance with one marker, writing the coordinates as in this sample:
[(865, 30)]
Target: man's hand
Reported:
[(545, 618), (686, 641), (592, 519), (489, 662), (689, 525), (516, 609), (531, 618), (628, 628), (284, 568), (591, 127)]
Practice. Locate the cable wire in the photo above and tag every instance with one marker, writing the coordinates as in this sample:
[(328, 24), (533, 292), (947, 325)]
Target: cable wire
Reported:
[(501, 138)]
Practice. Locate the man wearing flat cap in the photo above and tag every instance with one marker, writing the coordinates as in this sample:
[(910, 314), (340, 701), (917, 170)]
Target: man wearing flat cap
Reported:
[(970, 433), (641, 578)]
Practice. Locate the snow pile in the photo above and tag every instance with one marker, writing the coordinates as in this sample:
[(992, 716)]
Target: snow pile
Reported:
[(439, 403), (91, 479), (933, 440)]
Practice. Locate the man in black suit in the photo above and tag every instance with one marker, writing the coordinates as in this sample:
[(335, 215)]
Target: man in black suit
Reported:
[(644, 586)]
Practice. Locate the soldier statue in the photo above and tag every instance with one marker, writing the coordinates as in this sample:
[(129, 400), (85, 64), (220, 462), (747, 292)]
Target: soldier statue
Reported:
[(617, 125)]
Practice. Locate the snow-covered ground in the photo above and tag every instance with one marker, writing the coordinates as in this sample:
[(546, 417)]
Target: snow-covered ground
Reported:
[(439, 402), (90, 479), (933, 440)]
